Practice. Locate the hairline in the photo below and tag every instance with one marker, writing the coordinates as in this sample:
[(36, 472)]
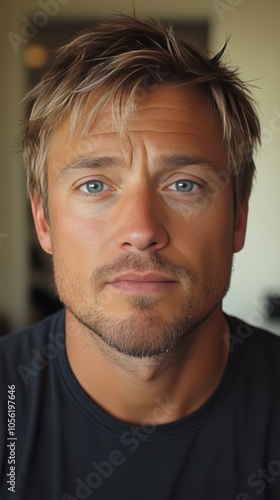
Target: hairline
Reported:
[(119, 120)]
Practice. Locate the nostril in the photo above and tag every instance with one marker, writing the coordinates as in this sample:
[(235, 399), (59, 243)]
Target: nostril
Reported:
[(143, 240)]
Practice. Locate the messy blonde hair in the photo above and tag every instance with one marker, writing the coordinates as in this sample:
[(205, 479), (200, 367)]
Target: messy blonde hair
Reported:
[(121, 59)]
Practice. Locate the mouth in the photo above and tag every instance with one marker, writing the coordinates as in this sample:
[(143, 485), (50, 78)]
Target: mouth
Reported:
[(142, 283)]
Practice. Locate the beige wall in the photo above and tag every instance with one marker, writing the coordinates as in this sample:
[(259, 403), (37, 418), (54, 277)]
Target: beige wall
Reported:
[(254, 46)]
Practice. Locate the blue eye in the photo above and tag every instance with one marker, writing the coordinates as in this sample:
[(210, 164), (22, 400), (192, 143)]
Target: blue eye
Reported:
[(184, 186), (93, 187)]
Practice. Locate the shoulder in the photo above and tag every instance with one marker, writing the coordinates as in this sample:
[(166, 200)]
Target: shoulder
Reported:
[(242, 331), (30, 345), (33, 333), (260, 348)]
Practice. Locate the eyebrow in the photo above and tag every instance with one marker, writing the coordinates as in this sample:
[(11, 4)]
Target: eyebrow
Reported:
[(181, 160), (90, 162), (165, 161)]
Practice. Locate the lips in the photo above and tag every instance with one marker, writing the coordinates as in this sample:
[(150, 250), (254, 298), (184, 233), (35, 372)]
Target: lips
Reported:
[(142, 278), (142, 283)]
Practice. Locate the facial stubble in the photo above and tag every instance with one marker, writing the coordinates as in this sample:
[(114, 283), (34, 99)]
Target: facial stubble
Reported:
[(142, 333)]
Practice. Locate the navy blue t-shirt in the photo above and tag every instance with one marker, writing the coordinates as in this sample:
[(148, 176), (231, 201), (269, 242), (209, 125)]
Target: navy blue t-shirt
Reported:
[(57, 444)]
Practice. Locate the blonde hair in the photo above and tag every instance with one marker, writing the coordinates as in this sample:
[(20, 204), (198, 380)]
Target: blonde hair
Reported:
[(120, 59)]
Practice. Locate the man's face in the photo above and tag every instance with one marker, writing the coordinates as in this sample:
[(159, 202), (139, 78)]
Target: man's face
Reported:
[(141, 226)]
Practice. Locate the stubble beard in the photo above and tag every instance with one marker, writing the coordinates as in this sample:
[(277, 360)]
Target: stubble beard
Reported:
[(144, 333)]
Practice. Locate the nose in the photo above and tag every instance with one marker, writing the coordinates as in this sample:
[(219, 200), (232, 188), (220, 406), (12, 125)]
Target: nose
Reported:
[(141, 223)]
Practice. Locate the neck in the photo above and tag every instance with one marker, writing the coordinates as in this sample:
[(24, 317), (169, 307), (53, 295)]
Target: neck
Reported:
[(162, 388)]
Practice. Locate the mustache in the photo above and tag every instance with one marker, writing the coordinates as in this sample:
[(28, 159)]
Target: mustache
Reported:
[(134, 263)]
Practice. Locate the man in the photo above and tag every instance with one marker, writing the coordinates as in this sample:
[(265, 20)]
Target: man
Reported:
[(139, 155)]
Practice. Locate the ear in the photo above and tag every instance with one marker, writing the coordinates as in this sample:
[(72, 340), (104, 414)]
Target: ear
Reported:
[(41, 225), (240, 226)]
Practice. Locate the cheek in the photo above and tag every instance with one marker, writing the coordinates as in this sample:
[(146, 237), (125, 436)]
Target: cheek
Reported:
[(206, 239), (78, 240)]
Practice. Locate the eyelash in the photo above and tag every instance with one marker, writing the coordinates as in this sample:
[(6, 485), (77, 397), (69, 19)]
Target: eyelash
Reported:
[(104, 185), (185, 181), (93, 182)]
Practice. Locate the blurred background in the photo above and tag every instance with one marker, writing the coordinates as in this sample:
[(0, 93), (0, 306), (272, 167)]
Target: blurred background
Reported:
[(30, 31)]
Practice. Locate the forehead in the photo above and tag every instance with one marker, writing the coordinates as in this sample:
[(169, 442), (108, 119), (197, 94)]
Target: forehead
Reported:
[(168, 116)]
